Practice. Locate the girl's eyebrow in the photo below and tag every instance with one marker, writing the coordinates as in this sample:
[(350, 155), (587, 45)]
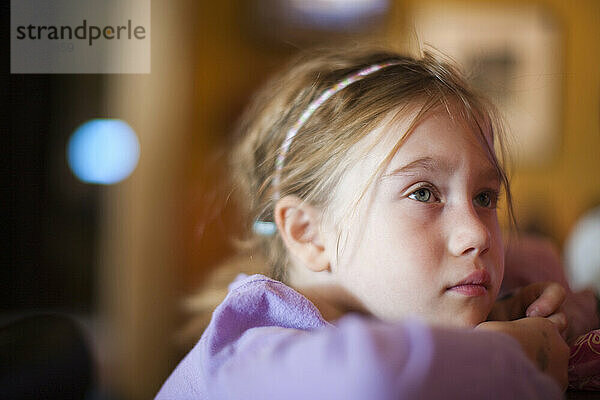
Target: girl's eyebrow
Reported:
[(430, 164), (423, 163)]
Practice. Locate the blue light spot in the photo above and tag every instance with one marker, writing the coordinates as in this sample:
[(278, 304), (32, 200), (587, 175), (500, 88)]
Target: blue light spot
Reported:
[(103, 151), (336, 14), (264, 228)]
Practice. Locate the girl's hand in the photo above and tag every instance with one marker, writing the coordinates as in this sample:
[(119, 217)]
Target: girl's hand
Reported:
[(541, 342), (540, 299), (534, 259)]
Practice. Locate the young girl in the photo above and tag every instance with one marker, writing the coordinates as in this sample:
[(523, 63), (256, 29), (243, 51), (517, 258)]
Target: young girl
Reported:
[(380, 174)]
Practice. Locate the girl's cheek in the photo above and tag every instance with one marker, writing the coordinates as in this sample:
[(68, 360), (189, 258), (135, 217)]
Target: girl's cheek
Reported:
[(490, 218)]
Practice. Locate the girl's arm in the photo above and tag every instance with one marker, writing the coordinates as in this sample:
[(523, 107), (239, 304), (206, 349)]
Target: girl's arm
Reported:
[(541, 341), (266, 341), (365, 359)]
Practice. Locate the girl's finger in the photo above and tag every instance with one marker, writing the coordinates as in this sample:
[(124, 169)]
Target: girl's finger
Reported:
[(560, 321), (547, 298)]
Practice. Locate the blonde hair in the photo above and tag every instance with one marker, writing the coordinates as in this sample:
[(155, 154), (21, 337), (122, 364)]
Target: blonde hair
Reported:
[(319, 154)]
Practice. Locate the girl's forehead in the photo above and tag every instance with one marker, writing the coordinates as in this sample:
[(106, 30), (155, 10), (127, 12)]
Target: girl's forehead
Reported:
[(436, 131), (430, 133), (397, 141)]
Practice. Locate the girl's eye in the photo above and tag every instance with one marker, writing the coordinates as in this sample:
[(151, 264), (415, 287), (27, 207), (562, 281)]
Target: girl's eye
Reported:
[(486, 199), (422, 195)]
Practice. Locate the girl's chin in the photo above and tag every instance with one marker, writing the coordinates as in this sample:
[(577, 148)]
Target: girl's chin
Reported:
[(453, 317), (465, 320)]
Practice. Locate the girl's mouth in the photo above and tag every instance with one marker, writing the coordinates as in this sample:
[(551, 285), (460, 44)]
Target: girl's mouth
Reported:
[(474, 285), (469, 290)]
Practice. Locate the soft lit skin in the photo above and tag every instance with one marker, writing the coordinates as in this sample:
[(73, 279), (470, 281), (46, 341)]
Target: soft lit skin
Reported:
[(430, 223), (425, 224)]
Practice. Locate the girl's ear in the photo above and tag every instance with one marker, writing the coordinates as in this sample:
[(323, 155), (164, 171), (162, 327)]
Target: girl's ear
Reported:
[(298, 225)]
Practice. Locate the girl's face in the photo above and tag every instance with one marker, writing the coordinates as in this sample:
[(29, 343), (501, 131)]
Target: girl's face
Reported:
[(425, 238)]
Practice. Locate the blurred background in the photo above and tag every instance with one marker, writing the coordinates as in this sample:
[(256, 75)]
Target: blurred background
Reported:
[(118, 254)]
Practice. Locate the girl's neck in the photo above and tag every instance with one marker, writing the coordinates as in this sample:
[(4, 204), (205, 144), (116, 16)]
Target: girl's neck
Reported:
[(332, 301)]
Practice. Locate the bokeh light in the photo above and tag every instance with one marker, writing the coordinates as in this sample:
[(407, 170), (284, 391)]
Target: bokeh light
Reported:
[(103, 151), (336, 13)]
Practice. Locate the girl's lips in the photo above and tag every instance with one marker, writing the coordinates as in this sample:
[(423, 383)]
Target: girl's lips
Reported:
[(475, 284), (470, 290)]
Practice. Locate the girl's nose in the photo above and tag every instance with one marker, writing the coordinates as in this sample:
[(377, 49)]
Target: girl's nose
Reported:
[(468, 233)]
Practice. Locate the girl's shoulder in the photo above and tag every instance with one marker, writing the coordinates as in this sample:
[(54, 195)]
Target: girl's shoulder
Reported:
[(258, 301), (254, 301)]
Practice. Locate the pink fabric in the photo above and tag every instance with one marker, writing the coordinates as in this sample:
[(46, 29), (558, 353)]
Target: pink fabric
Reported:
[(584, 362), (532, 259)]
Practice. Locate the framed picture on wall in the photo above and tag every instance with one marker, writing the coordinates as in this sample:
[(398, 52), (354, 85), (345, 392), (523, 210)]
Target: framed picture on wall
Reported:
[(513, 54)]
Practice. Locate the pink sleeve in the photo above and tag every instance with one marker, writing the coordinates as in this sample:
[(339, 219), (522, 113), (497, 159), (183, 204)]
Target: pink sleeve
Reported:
[(365, 359)]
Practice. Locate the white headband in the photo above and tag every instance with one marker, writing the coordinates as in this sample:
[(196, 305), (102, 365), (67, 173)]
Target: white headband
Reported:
[(268, 228), (283, 150)]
